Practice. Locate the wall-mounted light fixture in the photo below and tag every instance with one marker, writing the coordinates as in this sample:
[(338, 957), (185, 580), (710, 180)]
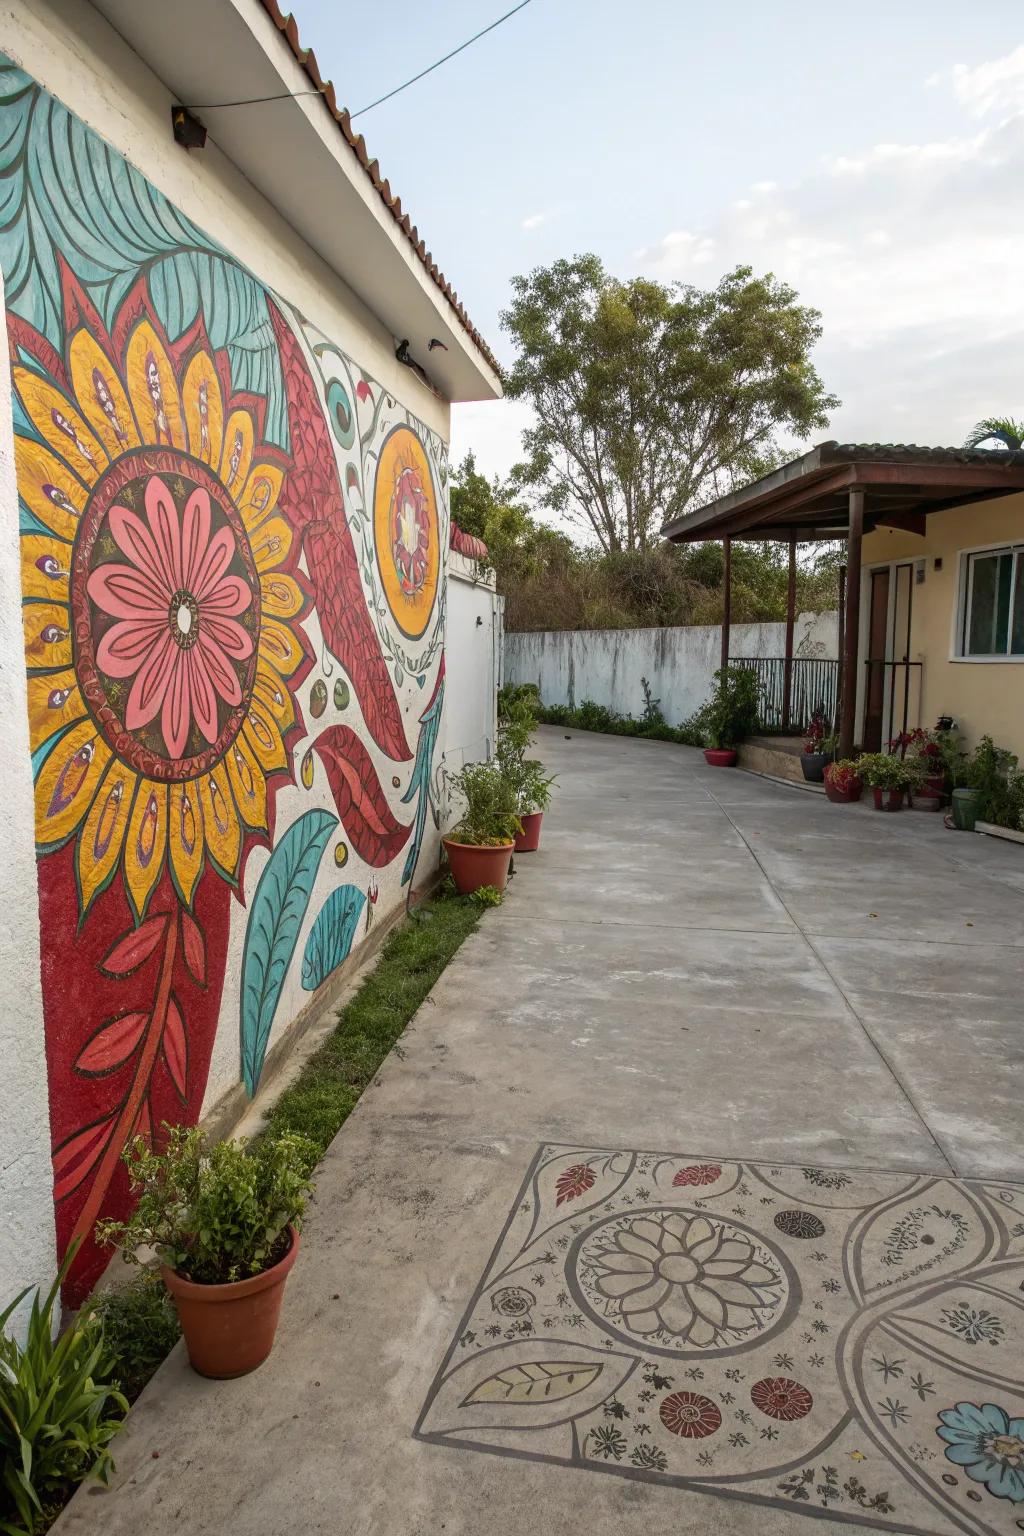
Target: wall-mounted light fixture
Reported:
[(188, 130)]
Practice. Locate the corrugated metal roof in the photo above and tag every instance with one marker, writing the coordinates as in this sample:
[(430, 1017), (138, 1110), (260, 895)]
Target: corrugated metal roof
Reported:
[(286, 24)]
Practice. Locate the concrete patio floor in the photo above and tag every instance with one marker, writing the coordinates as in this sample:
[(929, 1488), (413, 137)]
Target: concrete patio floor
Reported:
[(703, 983)]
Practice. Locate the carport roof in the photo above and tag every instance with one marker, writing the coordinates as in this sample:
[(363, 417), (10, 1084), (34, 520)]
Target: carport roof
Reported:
[(809, 497)]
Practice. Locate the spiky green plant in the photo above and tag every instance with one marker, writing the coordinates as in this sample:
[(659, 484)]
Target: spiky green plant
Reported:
[(996, 429)]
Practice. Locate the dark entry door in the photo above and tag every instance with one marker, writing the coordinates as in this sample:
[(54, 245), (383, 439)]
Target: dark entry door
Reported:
[(878, 629)]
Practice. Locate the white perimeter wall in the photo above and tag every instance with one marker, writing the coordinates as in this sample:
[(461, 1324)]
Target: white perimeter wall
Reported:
[(679, 663), (472, 660)]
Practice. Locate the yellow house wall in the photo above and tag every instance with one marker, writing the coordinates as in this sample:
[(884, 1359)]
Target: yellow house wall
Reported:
[(985, 697)]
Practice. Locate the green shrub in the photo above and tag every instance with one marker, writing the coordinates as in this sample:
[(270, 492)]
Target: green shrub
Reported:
[(731, 713), (491, 816), (213, 1213), (881, 771), (140, 1326), (998, 784), (59, 1411)]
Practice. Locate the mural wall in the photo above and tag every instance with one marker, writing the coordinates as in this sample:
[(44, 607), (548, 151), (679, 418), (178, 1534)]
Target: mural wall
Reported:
[(233, 573)]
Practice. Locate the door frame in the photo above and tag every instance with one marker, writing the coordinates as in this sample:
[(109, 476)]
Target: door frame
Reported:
[(893, 651)]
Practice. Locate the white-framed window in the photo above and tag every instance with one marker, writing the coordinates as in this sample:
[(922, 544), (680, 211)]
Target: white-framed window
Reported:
[(990, 621)]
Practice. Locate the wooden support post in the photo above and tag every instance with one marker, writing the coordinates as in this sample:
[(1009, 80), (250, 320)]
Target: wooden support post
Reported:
[(787, 678), (851, 629), (726, 599), (839, 645)]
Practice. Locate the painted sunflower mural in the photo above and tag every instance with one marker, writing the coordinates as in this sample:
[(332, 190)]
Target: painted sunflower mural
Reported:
[(200, 579)]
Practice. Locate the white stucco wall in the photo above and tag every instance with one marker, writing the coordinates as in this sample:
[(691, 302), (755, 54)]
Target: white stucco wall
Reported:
[(27, 1244), (472, 664), (679, 663), (75, 54)]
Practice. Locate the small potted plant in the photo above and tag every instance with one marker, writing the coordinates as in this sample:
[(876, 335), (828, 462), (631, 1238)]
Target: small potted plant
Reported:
[(729, 716), (843, 782), (534, 798), (887, 777), (517, 726), (819, 748), (479, 846), (223, 1220), (929, 750)]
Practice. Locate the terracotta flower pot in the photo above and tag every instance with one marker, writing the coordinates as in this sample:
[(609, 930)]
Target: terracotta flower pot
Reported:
[(887, 799), (528, 840), (229, 1329), (935, 784), (844, 796), (720, 757), (473, 866)]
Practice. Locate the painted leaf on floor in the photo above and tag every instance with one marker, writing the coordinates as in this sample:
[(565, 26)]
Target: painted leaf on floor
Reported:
[(368, 819), (278, 909), (538, 1381), (331, 935)]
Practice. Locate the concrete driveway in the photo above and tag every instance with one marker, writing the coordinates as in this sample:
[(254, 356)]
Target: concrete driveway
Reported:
[(696, 1169)]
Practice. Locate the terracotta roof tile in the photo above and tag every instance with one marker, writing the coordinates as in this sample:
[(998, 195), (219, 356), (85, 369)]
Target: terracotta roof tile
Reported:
[(307, 58)]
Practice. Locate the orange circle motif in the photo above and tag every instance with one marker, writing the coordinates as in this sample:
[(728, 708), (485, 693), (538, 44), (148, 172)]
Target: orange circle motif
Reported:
[(405, 531)]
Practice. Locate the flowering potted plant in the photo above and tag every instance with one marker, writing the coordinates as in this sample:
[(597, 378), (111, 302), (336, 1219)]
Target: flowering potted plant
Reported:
[(224, 1222), (517, 725), (819, 748), (843, 782), (729, 716), (479, 846), (929, 749), (887, 777)]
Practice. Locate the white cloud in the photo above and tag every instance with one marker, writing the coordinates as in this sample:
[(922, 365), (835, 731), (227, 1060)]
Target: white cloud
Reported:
[(534, 221), (912, 252), (996, 86)]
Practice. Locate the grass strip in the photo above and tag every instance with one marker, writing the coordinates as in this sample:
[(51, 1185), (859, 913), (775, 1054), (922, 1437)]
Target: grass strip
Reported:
[(327, 1090)]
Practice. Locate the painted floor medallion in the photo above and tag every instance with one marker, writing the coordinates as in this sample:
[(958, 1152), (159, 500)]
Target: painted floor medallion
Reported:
[(833, 1342)]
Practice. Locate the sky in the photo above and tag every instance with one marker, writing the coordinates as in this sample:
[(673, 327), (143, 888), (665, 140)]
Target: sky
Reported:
[(870, 155)]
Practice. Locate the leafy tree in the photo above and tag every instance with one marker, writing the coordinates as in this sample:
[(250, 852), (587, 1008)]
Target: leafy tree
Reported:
[(996, 429), (648, 398)]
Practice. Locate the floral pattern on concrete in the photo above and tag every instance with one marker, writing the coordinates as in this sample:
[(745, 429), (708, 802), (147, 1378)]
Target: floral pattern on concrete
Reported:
[(817, 1339)]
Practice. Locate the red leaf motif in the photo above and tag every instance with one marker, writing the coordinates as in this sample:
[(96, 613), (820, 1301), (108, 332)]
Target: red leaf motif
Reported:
[(75, 1158), (175, 1047), (311, 499), (110, 1046), (362, 805), (698, 1173), (194, 946), (144, 1123), (135, 947), (573, 1182)]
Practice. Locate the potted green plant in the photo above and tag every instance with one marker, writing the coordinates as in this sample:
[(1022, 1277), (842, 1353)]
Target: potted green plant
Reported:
[(517, 725), (819, 748), (223, 1220), (729, 716), (479, 846), (887, 777), (928, 750), (843, 782)]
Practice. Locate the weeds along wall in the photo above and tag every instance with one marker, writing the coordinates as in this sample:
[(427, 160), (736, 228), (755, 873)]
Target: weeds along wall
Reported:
[(607, 665), (224, 556)]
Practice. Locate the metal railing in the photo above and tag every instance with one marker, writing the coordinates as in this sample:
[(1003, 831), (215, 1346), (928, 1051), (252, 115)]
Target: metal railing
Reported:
[(814, 685), (892, 691)]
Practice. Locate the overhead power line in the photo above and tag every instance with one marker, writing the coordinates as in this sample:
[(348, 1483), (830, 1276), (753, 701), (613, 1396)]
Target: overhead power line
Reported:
[(256, 101), (430, 69)]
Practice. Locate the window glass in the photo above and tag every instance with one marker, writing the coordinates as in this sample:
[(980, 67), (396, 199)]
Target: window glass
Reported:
[(1017, 627), (989, 611)]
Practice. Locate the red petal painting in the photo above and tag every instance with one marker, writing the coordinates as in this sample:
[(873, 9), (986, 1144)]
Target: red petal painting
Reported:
[(374, 832), (312, 501)]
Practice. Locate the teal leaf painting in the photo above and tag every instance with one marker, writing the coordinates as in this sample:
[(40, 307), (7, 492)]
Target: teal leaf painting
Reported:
[(419, 783), (63, 189), (330, 937), (278, 908)]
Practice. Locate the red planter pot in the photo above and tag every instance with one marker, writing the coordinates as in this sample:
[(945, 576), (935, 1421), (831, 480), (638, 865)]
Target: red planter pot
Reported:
[(229, 1329), (935, 784), (720, 757), (888, 799), (472, 866), (924, 800), (528, 840), (844, 796)]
